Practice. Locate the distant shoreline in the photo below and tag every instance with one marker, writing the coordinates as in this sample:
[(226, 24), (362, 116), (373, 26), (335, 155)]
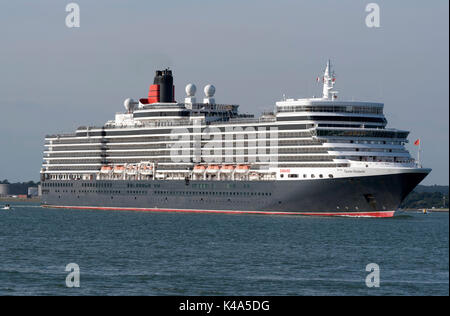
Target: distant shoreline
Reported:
[(11, 199), (430, 210)]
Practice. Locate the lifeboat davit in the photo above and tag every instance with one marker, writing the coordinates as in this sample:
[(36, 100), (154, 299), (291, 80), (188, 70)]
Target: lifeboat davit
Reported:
[(242, 168)]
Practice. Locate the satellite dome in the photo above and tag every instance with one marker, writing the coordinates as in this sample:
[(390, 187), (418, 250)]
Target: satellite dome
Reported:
[(129, 104), (190, 89), (209, 90)]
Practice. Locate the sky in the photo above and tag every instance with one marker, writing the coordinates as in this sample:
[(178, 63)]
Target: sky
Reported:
[(54, 78)]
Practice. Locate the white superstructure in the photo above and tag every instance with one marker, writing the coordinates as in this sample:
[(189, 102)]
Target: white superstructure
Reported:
[(311, 138)]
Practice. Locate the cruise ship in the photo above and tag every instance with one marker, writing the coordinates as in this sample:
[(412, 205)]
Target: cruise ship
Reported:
[(312, 156)]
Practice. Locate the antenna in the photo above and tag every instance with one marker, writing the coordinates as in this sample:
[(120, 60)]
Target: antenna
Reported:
[(329, 79)]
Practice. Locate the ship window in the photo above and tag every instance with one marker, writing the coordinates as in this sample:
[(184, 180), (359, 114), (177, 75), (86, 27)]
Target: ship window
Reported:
[(330, 176), (313, 176), (321, 176)]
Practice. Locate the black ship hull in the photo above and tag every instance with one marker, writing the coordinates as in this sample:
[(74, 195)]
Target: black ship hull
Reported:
[(377, 196)]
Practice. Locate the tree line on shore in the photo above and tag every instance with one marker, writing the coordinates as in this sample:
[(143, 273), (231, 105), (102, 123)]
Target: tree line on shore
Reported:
[(425, 200)]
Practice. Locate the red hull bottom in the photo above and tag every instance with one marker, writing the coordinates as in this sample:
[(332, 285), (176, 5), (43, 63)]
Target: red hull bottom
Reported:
[(347, 214)]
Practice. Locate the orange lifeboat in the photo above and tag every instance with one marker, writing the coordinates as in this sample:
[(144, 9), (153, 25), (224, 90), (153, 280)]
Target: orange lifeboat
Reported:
[(119, 169), (199, 169), (242, 168), (213, 169), (131, 169), (147, 169), (227, 169), (106, 169)]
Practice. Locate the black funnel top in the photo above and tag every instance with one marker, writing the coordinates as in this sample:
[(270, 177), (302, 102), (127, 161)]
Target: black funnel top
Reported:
[(164, 79)]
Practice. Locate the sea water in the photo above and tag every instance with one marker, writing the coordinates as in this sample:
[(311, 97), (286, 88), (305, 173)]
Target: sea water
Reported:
[(146, 253)]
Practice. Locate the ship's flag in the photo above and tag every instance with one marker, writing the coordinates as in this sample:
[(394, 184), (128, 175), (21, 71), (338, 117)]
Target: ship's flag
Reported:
[(417, 142)]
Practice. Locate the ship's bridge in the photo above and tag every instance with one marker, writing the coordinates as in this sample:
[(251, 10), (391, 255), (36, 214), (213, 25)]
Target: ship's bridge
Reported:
[(327, 113), (324, 105)]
